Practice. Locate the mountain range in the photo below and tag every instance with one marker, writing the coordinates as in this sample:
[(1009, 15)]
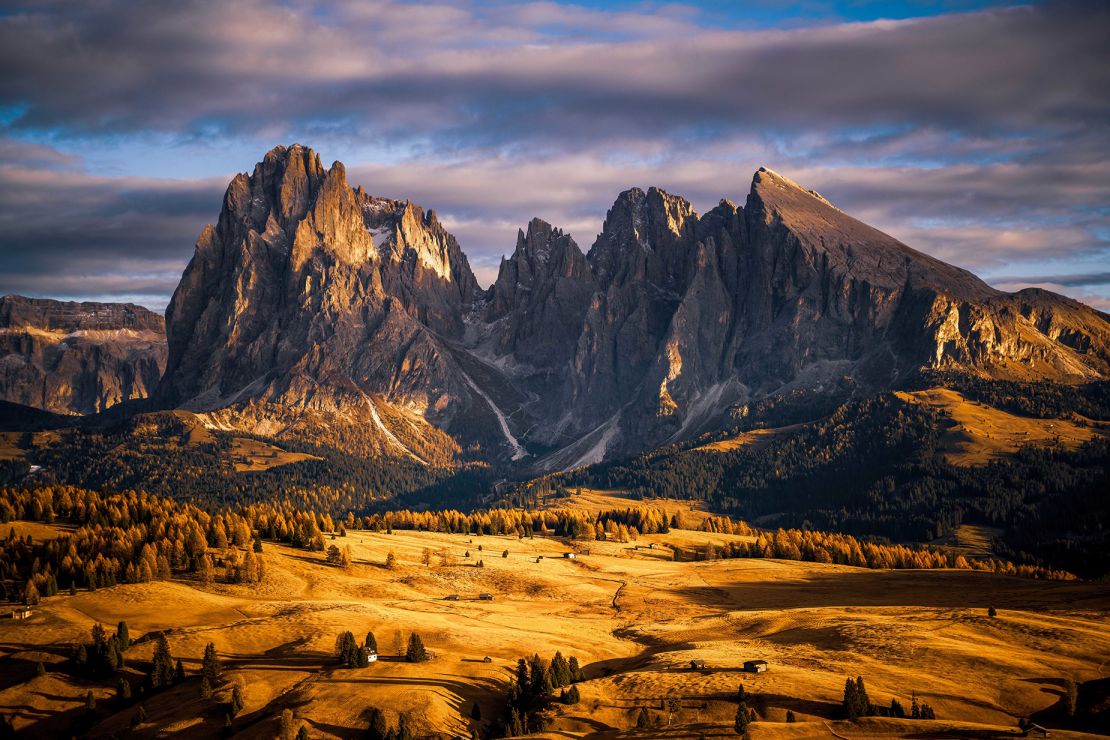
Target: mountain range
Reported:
[(313, 310)]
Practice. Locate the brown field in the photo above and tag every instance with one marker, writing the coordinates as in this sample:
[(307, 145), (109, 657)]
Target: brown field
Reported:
[(9, 446), (596, 500), (981, 433), (756, 439), (634, 618), (251, 455)]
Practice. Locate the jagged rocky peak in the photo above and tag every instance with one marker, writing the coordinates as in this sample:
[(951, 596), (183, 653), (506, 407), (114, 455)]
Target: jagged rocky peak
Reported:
[(639, 232), (542, 292), (312, 296), (78, 358), (542, 251)]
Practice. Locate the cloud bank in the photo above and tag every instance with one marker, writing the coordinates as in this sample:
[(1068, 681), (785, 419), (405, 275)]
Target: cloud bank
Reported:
[(978, 137)]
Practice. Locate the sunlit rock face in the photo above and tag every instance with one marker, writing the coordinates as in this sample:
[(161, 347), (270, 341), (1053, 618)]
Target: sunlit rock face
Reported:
[(78, 358), (311, 305)]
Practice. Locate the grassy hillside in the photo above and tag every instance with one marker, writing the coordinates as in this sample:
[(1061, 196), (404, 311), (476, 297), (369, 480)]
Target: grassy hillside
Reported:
[(634, 618), (911, 466)]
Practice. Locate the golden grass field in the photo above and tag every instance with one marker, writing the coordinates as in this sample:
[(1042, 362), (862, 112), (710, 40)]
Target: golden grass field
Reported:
[(632, 617), (981, 433)]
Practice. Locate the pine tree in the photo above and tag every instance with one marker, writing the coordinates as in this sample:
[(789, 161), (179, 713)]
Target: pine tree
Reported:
[(573, 696), (161, 668), (742, 719), (302, 734), (139, 717), (643, 719), (210, 665), (416, 652), (538, 682), (40, 669), (850, 703), (790, 715), (350, 654), (257, 545), (560, 671), (992, 612), (123, 690), (178, 672), (378, 729), (575, 671), (123, 635), (476, 712), (863, 706), (371, 643), (236, 704)]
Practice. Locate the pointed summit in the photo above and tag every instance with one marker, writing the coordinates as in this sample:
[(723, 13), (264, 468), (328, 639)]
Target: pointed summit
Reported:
[(640, 224)]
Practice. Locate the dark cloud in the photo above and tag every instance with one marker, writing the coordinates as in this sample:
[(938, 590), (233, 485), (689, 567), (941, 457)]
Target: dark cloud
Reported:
[(977, 137), (66, 233), (455, 75)]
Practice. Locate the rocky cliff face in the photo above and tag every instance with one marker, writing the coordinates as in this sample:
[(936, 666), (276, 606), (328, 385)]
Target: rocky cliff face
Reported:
[(78, 358), (313, 308)]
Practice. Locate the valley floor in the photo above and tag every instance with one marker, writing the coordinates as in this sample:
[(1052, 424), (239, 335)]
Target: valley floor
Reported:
[(634, 618)]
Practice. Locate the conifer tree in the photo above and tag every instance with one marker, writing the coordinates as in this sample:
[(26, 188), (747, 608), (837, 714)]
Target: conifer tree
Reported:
[(863, 707), (90, 702), (790, 715), (850, 703), (178, 672), (378, 729), (416, 652), (161, 668), (742, 720), (210, 665), (123, 690), (643, 719), (123, 635), (371, 642), (139, 717), (236, 704), (560, 671), (40, 669), (302, 734)]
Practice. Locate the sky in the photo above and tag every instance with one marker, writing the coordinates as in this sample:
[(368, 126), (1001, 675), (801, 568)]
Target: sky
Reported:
[(975, 131)]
